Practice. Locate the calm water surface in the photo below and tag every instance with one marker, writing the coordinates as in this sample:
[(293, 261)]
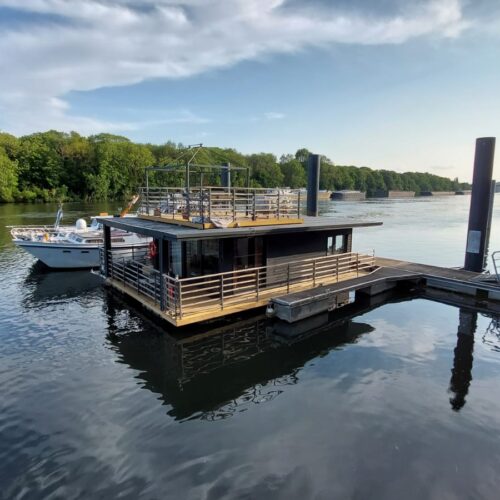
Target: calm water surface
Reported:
[(397, 401)]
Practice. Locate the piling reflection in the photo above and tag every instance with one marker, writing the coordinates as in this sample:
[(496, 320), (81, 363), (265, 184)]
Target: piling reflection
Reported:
[(461, 373), (491, 336), (215, 373)]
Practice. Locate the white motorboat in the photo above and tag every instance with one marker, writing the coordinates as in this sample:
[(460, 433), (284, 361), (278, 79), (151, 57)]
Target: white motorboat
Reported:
[(74, 247)]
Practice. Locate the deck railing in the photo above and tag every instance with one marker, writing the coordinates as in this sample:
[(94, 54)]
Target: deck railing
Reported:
[(182, 297), (208, 203), (34, 232)]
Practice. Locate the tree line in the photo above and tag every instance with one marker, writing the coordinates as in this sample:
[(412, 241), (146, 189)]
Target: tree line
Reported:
[(58, 166)]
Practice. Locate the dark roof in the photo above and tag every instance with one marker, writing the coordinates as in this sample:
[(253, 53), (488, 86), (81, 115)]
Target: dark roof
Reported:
[(162, 230)]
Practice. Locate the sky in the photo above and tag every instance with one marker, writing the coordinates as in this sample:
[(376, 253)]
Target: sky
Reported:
[(395, 84)]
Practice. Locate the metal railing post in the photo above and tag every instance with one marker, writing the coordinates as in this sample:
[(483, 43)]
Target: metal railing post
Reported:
[(202, 213), (357, 265), (298, 205), (314, 272), (257, 275), (221, 291), (254, 208), (234, 204), (179, 297), (209, 204), (288, 279), (337, 268), (278, 203)]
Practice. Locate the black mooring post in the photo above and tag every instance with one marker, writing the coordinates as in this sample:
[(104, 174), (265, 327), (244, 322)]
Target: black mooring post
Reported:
[(480, 203), (313, 171), (225, 176)]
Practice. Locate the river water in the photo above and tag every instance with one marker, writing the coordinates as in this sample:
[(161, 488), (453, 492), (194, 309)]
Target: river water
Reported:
[(99, 401)]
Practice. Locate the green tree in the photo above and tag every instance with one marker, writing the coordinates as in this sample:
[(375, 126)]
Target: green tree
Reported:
[(10, 144), (294, 174), (119, 169), (8, 177), (265, 170)]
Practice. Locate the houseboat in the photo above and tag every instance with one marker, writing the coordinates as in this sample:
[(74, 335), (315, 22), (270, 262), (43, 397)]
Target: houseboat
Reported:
[(219, 250)]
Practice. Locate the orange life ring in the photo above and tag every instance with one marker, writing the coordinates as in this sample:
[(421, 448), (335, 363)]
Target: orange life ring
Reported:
[(153, 251)]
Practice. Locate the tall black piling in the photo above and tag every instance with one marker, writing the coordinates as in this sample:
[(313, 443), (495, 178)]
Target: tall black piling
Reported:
[(225, 175), (480, 205), (313, 171)]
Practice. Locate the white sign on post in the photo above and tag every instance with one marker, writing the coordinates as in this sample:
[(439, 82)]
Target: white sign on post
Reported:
[(473, 241)]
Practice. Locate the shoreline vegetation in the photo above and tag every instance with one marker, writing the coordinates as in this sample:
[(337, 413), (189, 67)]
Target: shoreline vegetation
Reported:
[(56, 166)]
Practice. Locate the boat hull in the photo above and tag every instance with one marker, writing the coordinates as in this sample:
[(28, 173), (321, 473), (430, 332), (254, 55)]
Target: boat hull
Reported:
[(69, 256)]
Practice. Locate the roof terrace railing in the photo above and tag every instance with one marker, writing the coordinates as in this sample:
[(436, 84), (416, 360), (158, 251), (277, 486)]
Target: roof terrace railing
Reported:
[(216, 204)]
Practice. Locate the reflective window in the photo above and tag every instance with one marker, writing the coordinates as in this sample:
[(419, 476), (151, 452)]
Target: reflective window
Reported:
[(336, 244), (201, 257)]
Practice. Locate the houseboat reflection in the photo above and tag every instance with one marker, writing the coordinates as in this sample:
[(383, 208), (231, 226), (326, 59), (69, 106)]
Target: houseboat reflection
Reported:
[(215, 373)]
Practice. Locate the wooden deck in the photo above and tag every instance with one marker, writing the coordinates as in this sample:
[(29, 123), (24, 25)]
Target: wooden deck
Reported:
[(199, 313), (427, 270), (240, 222), (449, 279), (308, 296)]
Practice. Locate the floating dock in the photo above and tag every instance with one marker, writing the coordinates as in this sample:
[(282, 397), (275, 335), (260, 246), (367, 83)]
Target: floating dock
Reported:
[(387, 274)]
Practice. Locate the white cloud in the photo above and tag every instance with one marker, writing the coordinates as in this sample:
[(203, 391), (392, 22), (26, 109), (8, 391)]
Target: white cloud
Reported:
[(273, 115), (98, 43)]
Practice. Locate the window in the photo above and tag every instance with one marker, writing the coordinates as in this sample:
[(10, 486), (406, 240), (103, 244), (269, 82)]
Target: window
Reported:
[(336, 244), (248, 252), (201, 257)]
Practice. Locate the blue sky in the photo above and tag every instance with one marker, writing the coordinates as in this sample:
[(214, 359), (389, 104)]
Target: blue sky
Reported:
[(387, 84)]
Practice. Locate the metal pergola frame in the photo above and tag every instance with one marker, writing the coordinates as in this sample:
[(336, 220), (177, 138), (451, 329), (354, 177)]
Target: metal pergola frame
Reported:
[(200, 168)]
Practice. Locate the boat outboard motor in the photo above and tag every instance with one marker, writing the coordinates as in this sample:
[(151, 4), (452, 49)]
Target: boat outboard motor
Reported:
[(81, 225)]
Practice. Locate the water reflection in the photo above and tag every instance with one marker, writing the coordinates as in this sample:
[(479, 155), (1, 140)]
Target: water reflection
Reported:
[(43, 286), (491, 335), (461, 373), (215, 373)]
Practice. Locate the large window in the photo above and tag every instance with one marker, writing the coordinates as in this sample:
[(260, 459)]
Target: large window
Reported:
[(248, 252), (201, 257), (336, 244)]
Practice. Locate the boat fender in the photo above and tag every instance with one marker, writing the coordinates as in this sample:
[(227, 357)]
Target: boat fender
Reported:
[(153, 251), (270, 312)]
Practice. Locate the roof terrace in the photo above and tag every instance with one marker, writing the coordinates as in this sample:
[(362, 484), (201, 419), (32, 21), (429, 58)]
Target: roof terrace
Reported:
[(213, 196)]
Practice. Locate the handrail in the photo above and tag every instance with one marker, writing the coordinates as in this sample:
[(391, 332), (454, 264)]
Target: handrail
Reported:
[(219, 202), (344, 255), (183, 296)]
